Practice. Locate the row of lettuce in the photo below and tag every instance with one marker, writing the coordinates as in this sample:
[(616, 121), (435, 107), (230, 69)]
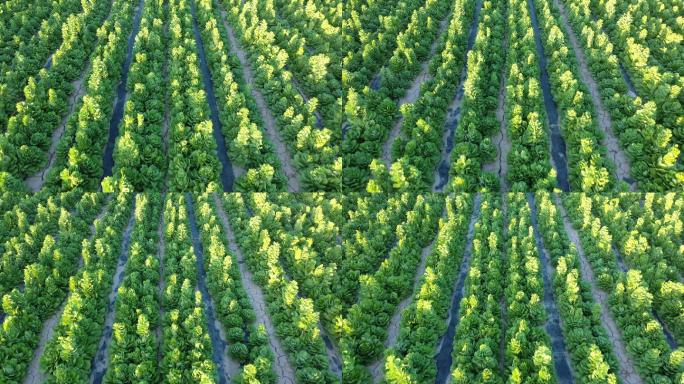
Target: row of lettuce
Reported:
[(386, 57), (159, 330), (166, 111), (333, 271)]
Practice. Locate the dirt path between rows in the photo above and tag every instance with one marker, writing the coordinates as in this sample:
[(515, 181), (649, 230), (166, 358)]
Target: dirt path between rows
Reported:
[(453, 117), (101, 359), (269, 120), (283, 368), (413, 93), (334, 356), (377, 369), (627, 371), (502, 301), (611, 142), (35, 375), (35, 182)]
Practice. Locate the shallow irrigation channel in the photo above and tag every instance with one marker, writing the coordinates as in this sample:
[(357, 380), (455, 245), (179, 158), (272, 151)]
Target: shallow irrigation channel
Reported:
[(121, 94), (503, 307), (227, 173), (628, 80), (48, 62), (35, 182), (558, 148), (611, 142), (34, 374), (627, 371), (334, 358), (345, 128), (454, 112), (669, 338), (412, 93), (266, 115), (101, 361), (227, 368), (283, 368), (553, 326), (443, 357)]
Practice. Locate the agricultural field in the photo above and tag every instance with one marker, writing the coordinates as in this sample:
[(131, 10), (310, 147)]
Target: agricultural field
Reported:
[(341, 96), (513, 95), (177, 95), (329, 288), (342, 191)]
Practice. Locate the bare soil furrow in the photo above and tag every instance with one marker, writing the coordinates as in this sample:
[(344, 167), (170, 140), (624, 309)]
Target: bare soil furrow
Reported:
[(121, 96), (554, 323), (503, 142), (226, 366), (35, 182)]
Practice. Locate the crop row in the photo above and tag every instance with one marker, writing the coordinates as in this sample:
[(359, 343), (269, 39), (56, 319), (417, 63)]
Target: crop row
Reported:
[(45, 285), (30, 54), (424, 320), (27, 138), (314, 150), (631, 303)]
